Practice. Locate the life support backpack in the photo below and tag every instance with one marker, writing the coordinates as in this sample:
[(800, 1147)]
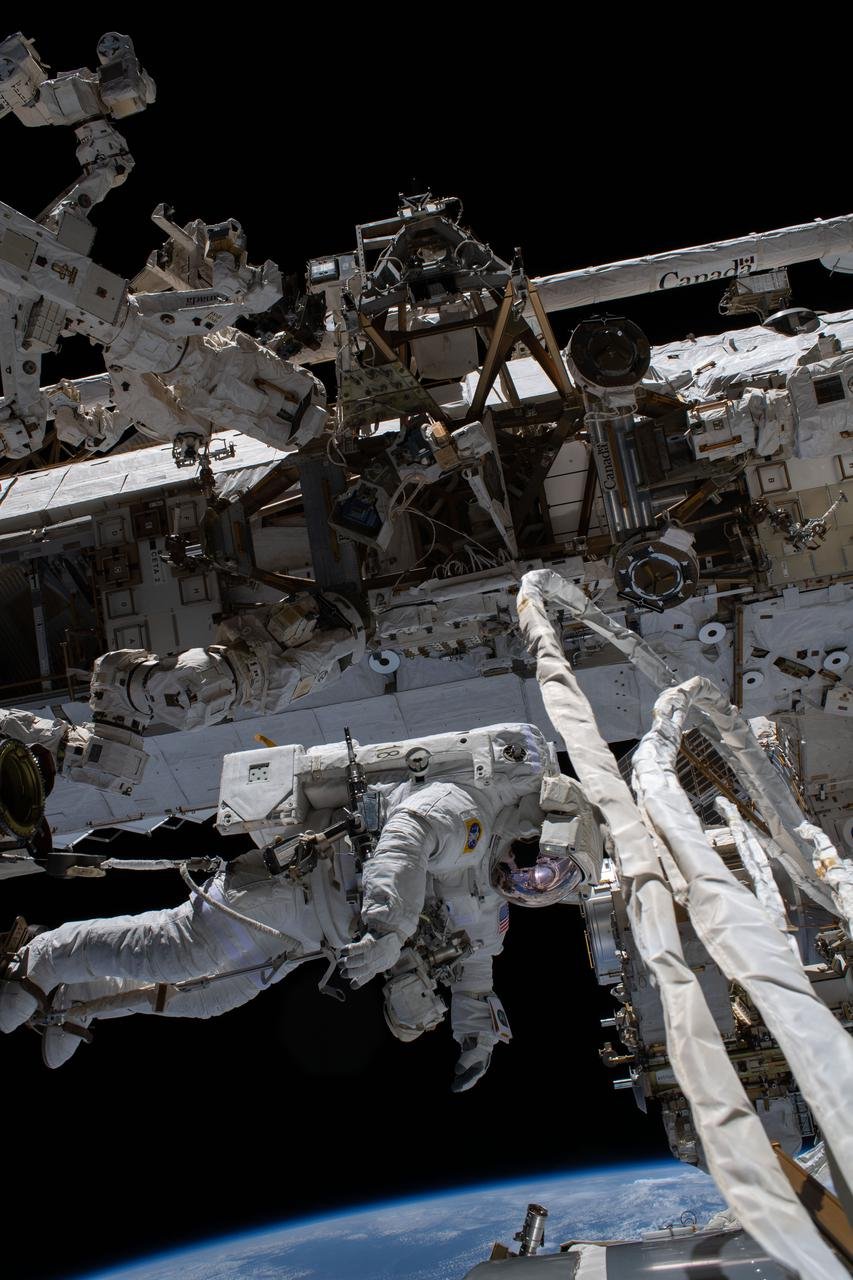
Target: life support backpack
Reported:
[(266, 791)]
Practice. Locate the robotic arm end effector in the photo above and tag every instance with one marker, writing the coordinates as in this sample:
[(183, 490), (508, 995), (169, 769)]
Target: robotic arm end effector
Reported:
[(104, 755), (120, 87), (26, 777)]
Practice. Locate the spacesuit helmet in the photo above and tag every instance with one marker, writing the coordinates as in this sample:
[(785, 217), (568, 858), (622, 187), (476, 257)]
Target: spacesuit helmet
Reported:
[(532, 877)]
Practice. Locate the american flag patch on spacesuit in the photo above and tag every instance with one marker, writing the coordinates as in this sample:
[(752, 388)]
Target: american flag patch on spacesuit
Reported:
[(503, 918)]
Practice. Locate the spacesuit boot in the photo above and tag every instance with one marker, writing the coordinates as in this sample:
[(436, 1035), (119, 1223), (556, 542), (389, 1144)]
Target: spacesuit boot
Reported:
[(59, 1042), (57, 1046), (472, 1063), (17, 1005)]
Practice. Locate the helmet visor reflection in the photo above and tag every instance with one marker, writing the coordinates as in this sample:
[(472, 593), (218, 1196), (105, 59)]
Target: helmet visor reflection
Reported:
[(548, 877)]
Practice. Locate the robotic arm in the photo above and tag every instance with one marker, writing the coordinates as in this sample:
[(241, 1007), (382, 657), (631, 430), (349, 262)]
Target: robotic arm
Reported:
[(177, 371), (266, 660), (174, 364), (31, 318), (104, 755), (85, 99)]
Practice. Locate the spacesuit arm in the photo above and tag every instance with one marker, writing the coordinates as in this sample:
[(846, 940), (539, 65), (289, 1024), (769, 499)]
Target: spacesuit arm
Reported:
[(395, 876), (394, 888)]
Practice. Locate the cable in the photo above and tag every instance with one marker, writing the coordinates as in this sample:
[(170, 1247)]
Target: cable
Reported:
[(332, 440), (158, 864), (454, 566), (467, 536), (490, 560), (229, 911), (425, 555)]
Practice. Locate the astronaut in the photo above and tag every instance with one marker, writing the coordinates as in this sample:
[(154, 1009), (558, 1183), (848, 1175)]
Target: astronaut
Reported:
[(469, 851), (435, 908)]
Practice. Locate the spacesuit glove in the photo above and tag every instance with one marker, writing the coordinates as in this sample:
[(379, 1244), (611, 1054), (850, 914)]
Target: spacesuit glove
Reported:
[(473, 1062), (372, 954)]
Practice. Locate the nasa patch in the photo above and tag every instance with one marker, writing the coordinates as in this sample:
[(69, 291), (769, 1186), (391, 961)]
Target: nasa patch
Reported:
[(473, 830)]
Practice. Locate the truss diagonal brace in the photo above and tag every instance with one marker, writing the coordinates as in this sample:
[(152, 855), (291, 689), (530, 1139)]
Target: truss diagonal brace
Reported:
[(498, 348)]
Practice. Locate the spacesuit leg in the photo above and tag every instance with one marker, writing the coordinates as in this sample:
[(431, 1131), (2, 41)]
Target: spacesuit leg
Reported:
[(478, 1020), (189, 941), (207, 1001)]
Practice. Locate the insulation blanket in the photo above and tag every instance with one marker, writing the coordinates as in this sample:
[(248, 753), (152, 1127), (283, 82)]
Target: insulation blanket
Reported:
[(735, 1145), (722, 260), (741, 937)]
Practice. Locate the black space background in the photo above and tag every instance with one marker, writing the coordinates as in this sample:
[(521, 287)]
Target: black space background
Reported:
[(583, 136)]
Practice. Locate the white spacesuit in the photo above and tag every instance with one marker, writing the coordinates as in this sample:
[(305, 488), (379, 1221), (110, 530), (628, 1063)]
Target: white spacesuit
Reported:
[(449, 844), (442, 857), (91, 960)]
